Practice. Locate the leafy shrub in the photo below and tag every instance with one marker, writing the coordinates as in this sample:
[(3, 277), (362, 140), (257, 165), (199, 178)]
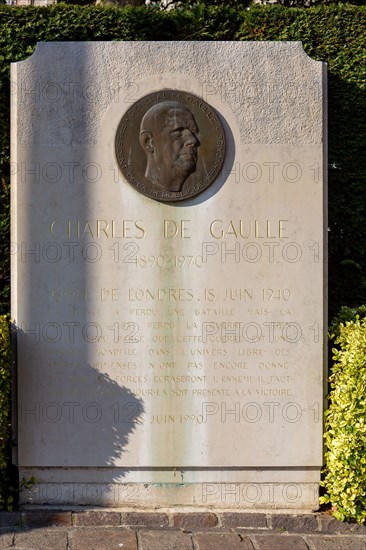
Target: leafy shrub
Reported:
[(345, 423), (307, 3), (4, 245), (345, 314), (191, 3), (77, 2), (6, 488)]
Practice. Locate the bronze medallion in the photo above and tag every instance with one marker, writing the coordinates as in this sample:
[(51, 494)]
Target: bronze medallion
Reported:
[(170, 145)]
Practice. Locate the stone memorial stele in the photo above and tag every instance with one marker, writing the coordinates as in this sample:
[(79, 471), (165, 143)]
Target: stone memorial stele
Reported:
[(168, 215)]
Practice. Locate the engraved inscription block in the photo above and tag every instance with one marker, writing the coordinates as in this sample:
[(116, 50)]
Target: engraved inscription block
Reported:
[(168, 273)]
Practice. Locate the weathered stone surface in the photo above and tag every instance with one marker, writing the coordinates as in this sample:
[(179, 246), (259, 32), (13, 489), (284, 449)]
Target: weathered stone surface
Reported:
[(88, 538), (164, 540), (45, 518), (41, 539), (196, 62), (338, 543), (145, 519), (217, 541), (298, 524), (6, 539), (194, 520), (96, 518), (280, 542), (332, 525), (7, 519), (102, 538), (238, 519)]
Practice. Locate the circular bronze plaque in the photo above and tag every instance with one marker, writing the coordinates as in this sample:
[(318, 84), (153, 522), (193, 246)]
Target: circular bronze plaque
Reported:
[(170, 145)]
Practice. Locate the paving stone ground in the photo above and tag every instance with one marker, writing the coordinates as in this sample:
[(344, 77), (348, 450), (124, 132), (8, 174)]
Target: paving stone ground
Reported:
[(86, 529)]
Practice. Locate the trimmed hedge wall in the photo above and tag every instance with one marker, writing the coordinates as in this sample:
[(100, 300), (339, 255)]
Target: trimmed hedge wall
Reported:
[(7, 485), (334, 34)]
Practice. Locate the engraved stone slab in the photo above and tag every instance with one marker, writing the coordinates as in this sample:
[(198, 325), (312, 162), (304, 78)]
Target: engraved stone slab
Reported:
[(168, 273)]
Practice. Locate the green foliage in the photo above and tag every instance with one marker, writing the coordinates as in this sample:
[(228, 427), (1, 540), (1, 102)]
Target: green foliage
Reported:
[(4, 245), (5, 385), (310, 3), (6, 486), (345, 314), (192, 3), (345, 422), (77, 2)]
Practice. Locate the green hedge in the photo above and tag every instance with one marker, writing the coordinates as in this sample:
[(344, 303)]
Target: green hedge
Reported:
[(7, 491), (345, 315), (334, 34), (345, 421)]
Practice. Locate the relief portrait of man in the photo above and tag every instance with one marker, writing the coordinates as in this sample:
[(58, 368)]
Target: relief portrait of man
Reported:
[(169, 137), (170, 145)]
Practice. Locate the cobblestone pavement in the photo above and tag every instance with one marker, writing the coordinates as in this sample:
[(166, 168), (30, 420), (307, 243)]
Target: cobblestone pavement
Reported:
[(129, 530)]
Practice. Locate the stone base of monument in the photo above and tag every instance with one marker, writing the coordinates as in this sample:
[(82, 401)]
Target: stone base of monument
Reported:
[(260, 490)]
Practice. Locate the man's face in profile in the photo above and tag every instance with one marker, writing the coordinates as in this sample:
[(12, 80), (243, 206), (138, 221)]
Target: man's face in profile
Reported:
[(176, 144), (171, 147)]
